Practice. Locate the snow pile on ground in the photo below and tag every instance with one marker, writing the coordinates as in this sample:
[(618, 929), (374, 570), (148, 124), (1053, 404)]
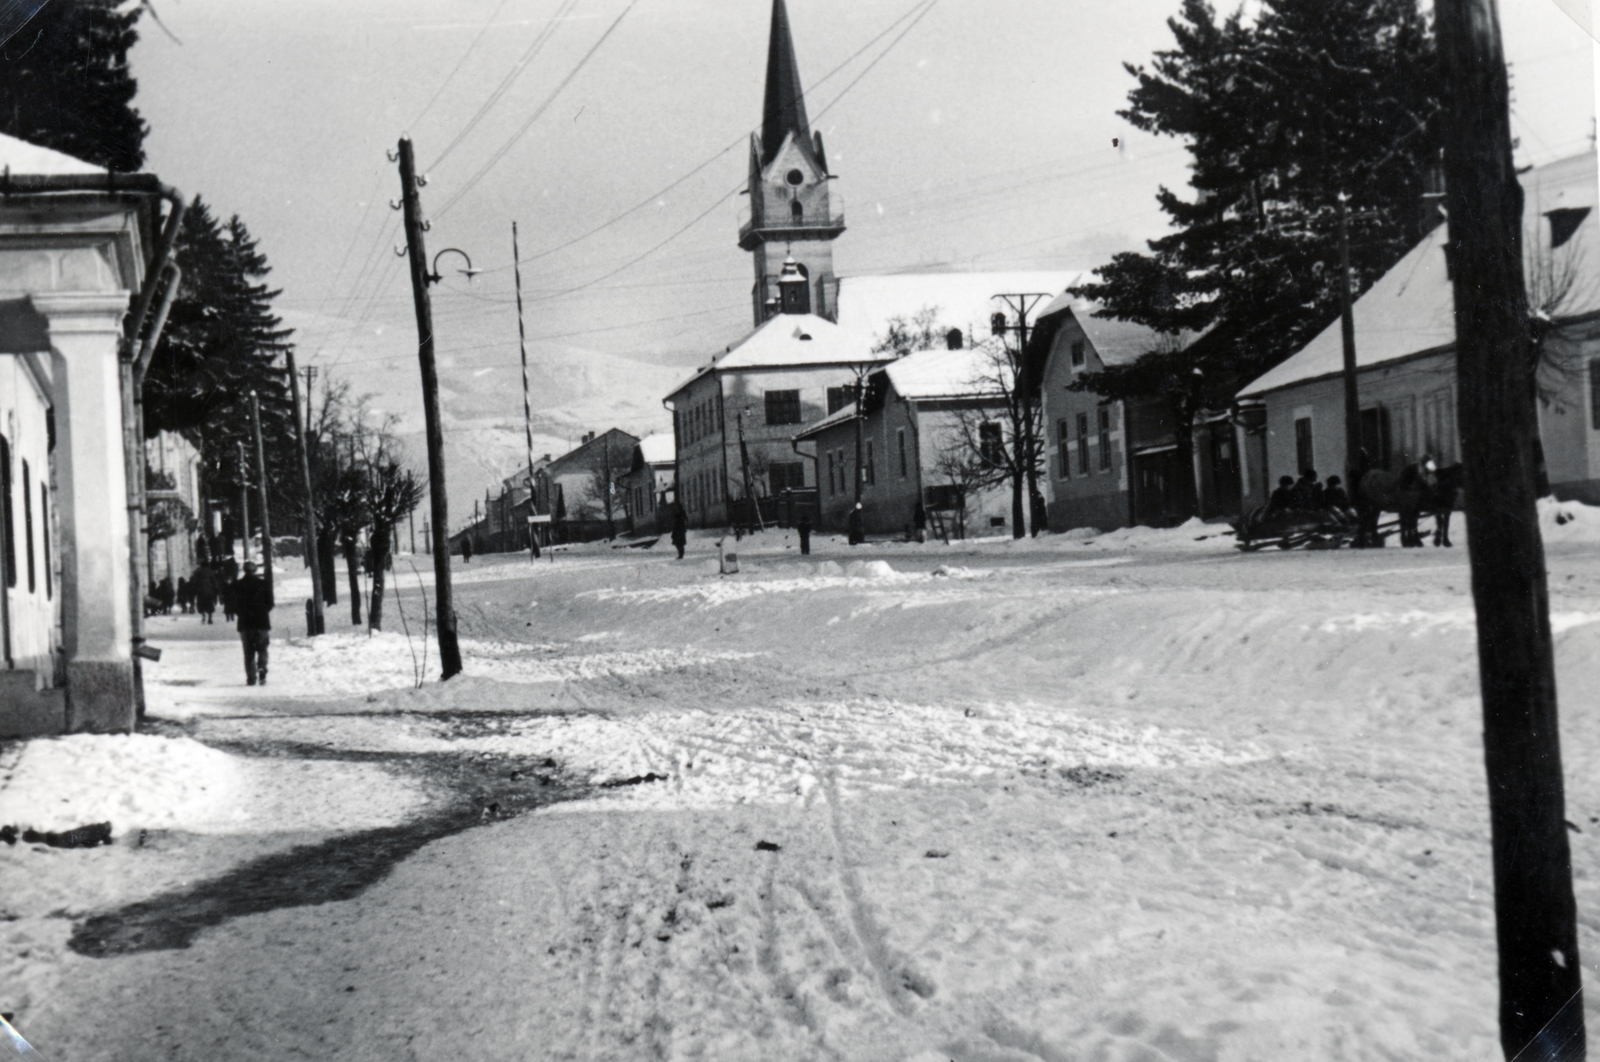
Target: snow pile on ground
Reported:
[(1568, 521), (795, 578), (1417, 622), (141, 781)]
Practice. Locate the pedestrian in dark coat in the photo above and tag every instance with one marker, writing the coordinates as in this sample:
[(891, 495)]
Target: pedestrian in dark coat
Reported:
[(185, 595), (165, 595), (204, 585), (230, 588), (680, 529), (252, 600), (466, 550), (804, 527), (858, 526), (919, 522)]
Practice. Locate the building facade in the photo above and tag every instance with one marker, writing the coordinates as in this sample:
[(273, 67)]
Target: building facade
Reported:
[(1405, 351)]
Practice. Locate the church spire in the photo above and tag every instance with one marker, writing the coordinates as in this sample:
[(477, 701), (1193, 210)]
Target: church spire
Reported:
[(785, 109)]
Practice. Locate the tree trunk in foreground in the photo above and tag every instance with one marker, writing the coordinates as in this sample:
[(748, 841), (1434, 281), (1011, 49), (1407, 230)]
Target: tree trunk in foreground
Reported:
[(1541, 1003), (382, 539), (352, 567)]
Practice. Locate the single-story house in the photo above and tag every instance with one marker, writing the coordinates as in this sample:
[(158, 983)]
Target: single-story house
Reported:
[(1405, 353), (648, 488), (924, 420)]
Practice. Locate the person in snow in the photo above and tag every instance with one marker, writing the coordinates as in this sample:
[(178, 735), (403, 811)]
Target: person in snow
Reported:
[(858, 528), (680, 529), (1337, 501), (919, 522), (1284, 497), (1308, 492), (164, 594), (204, 587), (252, 600), (804, 528), (466, 550)]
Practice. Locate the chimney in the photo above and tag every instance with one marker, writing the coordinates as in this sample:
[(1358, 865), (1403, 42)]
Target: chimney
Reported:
[(952, 339)]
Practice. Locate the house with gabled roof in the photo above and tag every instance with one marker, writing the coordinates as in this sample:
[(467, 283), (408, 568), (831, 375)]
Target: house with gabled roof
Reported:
[(1110, 464), (1405, 353), (919, 418)]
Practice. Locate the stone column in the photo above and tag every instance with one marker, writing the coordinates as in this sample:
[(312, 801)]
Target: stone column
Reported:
[(97, 628)]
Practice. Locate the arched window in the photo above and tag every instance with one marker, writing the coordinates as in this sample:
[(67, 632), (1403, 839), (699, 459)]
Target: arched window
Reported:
[(797, 210)]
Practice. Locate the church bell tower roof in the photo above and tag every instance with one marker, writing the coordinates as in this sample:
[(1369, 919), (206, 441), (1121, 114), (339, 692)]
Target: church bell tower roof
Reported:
[(785, 109)]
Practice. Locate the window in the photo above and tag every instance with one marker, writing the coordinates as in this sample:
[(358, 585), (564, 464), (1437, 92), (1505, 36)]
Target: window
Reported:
[(900, 438), (1077, 353), (839, 397), (1304, 453), (1105, 439), (871, 470), (44, 524), (783, 407), (5, 512), (27, 523), (1063, 450), (785, 475), (990, 445), (831, 488), (1594, 393), (797, 210), (1083, 444)]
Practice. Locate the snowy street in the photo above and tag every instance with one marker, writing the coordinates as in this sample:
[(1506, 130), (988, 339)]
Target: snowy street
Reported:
[(1132, 798)]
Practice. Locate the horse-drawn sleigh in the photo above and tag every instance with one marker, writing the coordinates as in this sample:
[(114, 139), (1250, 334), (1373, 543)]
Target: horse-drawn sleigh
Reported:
[(1416, 491)]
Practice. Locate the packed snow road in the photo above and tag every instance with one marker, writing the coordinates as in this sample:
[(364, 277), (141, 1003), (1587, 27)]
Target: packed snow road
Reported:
[(1136, 798)]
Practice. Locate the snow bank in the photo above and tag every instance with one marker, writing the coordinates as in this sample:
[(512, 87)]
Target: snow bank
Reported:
[(1571, 521), (143, 781)]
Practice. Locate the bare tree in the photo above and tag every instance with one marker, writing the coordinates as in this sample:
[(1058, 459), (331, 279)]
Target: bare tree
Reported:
[(393, 492), (907, 335), (1000, 441)]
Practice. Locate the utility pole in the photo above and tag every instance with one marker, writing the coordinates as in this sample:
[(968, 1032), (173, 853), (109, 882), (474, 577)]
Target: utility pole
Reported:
[(444, 607), (1541, 987), (311, 384), (411, 519), (244, 501), (313, 561), (427, 537), (861, 394), (1022, 304), (527, 405), (261, 485), (1347, 334)]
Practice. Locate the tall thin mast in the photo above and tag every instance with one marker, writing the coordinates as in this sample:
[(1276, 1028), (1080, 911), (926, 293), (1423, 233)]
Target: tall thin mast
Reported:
[(527, 407)]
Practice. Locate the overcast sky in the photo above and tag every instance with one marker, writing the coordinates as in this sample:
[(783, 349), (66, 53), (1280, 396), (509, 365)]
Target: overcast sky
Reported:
[(978, 138)]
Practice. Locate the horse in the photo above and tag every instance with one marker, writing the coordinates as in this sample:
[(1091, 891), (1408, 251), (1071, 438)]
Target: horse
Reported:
[(1376, 491), (1444, 493)]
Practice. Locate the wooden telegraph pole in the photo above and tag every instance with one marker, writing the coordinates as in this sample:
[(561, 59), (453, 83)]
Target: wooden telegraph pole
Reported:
[(261, 486), (1541, 990), (1347, 339), (312, 559), (444, 607), (244, 501)]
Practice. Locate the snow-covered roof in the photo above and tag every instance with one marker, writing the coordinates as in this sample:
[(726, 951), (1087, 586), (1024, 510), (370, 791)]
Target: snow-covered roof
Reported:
[(841, 415), (30, 160), (658, 448), (941, 374), (963, 300), (1411, 309), (790, 339)]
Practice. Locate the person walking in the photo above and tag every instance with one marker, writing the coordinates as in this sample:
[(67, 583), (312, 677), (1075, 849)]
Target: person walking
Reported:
[(919, 522), (804, 527), (680, 529), (858, 528), (252, 600), (466, 550), (204, 586)]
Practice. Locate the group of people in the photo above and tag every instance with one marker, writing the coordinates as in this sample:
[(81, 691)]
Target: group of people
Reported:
[(1309, 494), (246, 600)]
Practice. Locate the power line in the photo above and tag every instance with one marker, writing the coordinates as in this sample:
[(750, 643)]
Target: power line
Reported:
[(459, 64), (741, 139), (539, 41), (472, 182)]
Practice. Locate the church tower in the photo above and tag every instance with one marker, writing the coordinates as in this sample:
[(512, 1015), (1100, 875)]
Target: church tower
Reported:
[(793, 221)]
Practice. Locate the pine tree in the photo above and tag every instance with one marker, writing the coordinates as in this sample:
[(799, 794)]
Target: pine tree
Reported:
[(65, 83), (1313, 100), (222, 341)]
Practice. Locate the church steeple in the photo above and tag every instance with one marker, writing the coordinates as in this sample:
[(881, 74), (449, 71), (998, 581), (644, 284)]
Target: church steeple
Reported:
[(784, 110), (793, 220)]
